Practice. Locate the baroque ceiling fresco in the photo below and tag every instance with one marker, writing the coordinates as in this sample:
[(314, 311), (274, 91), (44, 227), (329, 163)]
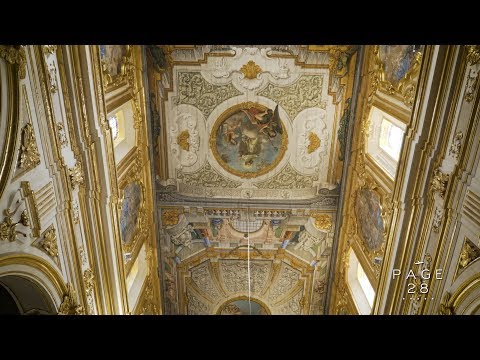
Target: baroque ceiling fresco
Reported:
[(249, 143)]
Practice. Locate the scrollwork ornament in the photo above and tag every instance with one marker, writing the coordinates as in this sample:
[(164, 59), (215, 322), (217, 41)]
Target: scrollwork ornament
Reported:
[(473, 54), (69, 305), (15, 55)]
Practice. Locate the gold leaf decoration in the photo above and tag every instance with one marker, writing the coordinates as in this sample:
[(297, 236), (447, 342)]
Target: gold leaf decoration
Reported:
[(250, 70), (15, 55), (49, 243), (469, 253), (314, 142), (322, 221), (473, 54), (29, 155), (69, 305), (170, 217), (182, 140)]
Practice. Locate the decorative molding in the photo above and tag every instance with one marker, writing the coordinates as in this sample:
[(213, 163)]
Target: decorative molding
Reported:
[(29, 155), (307, 241), (471, 84), (49, 49), (343, 129), (305, 93), (469, 253), (170, 217), (313, 142), (473, 54), (62, 136), (454, 150), (184, 140), (76, 213), (207, 176), (76, 175), (8, 227), (89, 283), (49, 243), (288, 178), (83, 255), (69, 305), (30, 199), (446, 307), (322, 221), (287, 280), (52, 77), (194, 90), (439, 182), (437, 219), (406, 88), (250, 70), (15, 55)]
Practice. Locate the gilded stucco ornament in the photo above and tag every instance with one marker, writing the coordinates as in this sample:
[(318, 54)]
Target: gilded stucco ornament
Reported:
[(250, 70), (76, 175), (288, 178), (49, 243), (469, 253), (439, 182), (454, 150), (437, 219), (446, 307), (15, 55), (170, 217), (322, 221), (8, 228), (473, 54), (29, 155), (304, 93), (69, 305)]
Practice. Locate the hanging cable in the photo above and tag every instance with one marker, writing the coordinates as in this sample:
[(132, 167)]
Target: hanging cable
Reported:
[(248, 261)]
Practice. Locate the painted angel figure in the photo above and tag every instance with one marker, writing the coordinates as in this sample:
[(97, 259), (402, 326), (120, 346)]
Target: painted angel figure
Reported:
[(267, 121)]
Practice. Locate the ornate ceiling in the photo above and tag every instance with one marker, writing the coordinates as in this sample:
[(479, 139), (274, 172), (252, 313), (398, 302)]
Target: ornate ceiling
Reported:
[(248, 140)]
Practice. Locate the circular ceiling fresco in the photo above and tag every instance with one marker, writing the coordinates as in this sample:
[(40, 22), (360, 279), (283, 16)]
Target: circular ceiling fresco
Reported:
[(369, 217), (249, 140)]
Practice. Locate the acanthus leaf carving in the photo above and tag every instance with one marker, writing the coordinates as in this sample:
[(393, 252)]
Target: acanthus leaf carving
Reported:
[(194, 90), (76, 175), (469, 253), (437, 219), (49, 243), (69, 305), (454, 150), (439, 182), (185, 140), (207, 176), (29, 155), (288, 178), (305, 93), (15, 55)]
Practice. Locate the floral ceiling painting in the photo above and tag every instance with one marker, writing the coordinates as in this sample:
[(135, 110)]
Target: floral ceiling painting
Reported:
[(249, 140), (132, 199)]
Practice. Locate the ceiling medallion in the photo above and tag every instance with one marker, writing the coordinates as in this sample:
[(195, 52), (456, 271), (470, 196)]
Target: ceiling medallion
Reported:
[(249, 139), (250, 70)]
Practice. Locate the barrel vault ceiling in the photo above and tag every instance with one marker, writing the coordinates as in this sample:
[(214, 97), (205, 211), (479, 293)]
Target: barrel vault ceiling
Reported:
[(248, 148)]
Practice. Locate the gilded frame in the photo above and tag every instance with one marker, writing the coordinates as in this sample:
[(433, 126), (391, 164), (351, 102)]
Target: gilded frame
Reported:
[(212, 143), (134, 175), (406, 88), (112, 82), (7, 152)]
